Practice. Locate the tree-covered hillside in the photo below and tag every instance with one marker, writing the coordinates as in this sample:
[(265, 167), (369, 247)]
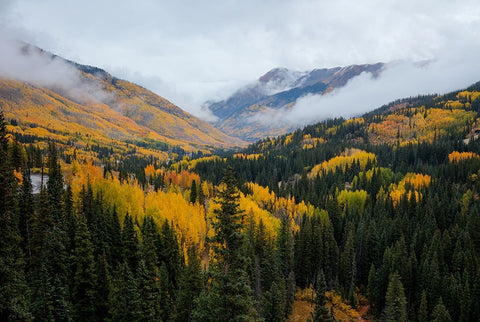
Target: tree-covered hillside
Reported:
[(376, 216)]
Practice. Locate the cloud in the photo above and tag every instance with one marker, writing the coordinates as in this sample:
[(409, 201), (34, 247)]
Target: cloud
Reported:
[(27, 63), (207, 48), (365, 92)]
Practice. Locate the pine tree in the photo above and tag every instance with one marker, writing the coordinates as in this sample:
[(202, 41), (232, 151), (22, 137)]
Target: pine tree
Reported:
[(193, 192), (124, 298), (165, 298), (440, 313), (148, 292), (396, 303), (230, 296), (130, 242), (273, 308), (321, 312), (14, 300), (190, 286), (422, 315), (103, 288), (85, 276), (285, 254)]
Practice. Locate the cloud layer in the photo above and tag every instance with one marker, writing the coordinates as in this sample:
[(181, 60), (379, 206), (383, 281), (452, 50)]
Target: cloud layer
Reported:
[(191, 51)]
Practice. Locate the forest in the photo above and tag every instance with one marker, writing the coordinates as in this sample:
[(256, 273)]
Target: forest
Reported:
[(375, 217)]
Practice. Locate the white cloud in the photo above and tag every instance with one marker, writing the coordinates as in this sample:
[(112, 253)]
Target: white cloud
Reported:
[(207, 48)]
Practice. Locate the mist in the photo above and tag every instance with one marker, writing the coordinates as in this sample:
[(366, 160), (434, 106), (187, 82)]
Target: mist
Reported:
[(27, 63), (364, 93)]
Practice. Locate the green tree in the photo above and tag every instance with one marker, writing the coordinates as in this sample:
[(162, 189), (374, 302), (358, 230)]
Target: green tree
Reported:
[(193, 192), (14, 292), (422, 315), (321, 312), (125, 298), (229, 297), (130, 242), (85, 275), (396, 303), (190, 286), (149, 293), (440, 313)]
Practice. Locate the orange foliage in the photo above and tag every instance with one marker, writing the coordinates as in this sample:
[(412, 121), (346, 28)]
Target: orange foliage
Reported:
[(18, 175), (415, 180), (456, 157)]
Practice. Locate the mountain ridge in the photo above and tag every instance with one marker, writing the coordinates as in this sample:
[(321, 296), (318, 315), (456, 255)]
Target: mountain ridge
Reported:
[(103, 106), (276, 89)]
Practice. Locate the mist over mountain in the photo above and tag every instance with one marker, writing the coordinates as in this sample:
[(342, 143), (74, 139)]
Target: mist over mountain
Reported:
[(53, 98), (277, 89)]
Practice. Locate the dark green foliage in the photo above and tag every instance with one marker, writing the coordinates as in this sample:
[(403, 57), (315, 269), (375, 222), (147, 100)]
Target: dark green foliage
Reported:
[(422, 315), (149, 293), (229, 297), (321, 312), (85, 275), (190, 286), (130, 242), (125, 299), (273, 308), (14, 292), (396, 304), (193, 192), (440, 313)]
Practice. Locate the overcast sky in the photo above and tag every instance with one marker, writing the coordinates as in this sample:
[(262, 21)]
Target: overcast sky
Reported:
[(191, 51)]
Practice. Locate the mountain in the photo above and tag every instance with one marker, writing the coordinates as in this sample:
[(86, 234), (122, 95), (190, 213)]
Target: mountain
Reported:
[(278, 88), (88, 106)]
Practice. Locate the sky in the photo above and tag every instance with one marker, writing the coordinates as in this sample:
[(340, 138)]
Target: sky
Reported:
[(193, 51)]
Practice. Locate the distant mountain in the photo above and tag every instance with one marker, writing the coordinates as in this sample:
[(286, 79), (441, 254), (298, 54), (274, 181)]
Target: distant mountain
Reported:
[(96, 108), (278, 88)]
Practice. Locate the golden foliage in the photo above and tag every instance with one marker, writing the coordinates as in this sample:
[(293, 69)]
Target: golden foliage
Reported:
[(415, 181), (468, 96), (421, 124), (456, 156), (248, 156), (347, 158)]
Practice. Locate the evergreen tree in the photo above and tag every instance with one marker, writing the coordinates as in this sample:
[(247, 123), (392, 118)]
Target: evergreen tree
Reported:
[(103, 288), (193, 192), (321, 312), (85, 276), (165, 299), (148, 292), (14, 300), (422, 315), (440, 313), (125, 298), (230, 295), (273, 308), (190, 286), (130, 242), (396, 303)]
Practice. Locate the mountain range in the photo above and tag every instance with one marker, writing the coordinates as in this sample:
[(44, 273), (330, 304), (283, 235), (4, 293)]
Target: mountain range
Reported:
[(279, 88), (100, 109)]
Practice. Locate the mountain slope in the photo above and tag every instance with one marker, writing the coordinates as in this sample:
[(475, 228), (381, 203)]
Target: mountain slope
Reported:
[(279, 88), (97, 108)]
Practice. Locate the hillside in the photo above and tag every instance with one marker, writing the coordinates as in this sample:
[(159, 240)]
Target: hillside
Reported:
[(100, 109), (279, 88), (379, 212)]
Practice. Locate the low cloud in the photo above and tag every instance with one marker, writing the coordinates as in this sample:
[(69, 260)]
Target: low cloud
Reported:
[(26, 63), (365, 92)]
